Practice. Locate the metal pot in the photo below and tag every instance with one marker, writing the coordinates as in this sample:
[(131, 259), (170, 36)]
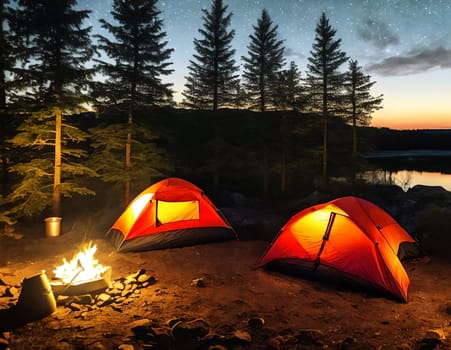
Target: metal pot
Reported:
[(36, 299)]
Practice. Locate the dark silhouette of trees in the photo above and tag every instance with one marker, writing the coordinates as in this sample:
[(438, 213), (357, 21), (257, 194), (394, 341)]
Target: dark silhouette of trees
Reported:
[(359, 103), (45, 49), (264, 60), (213, 80), (52, 76), (139, 58), (325, 79)]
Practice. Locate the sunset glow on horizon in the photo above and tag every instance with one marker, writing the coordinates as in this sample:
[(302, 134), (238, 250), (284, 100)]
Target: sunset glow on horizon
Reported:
[(419, 101)]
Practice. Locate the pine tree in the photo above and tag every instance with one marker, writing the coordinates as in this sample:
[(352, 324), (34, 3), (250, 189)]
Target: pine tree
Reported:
[(139, 59), (6, 64), (54, 49), (289, 92), (265, 59), (360, 104), (324, 76), (212, 80), (6, 61)]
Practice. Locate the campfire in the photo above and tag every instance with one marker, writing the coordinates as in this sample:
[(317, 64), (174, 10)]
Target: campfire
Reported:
[(82, 274)]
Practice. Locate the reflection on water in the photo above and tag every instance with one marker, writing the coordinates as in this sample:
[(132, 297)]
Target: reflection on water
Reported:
[(407, 178)]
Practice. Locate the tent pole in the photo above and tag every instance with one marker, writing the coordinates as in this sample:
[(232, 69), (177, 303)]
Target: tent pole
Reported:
[(325, 239)]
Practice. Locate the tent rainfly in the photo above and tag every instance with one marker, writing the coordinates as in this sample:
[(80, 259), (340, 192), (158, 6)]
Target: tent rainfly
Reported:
[(351, 235), (170, 213)]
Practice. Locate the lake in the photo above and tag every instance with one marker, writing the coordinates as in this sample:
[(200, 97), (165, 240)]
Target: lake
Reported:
[(407, 178), (408, 168)]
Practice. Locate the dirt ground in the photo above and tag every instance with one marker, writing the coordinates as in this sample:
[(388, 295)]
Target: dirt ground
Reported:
[(219, 284)]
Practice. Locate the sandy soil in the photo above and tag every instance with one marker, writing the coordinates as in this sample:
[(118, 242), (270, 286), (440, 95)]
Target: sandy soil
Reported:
[(297, 313)]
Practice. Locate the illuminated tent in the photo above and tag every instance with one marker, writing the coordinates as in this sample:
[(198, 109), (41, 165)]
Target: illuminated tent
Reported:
[(351, 235), (170, 213)]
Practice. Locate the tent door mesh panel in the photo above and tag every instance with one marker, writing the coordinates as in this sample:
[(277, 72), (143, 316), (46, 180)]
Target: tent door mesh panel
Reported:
[(177, 211)]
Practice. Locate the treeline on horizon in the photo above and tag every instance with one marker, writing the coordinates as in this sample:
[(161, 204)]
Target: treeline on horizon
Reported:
[(269, 132)]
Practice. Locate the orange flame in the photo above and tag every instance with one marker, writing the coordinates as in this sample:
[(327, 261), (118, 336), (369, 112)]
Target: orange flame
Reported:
[(82, 268)]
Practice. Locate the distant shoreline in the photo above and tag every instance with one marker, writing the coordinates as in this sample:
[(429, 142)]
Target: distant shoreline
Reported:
[(419, 153)]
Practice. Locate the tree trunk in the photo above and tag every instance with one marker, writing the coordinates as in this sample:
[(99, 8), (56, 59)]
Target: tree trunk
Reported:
[(354, 119), (216, 171), (5, 175), (2, 91), (265, 173), (283, 166), (128, 160), (354, 132), (216, 86), (283, 173), (262, 93), (57, 169), (215, 167), (325, 112), (2, 73), (325, 147)]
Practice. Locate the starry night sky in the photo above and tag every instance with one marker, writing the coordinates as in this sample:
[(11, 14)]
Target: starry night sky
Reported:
[(405, 45)]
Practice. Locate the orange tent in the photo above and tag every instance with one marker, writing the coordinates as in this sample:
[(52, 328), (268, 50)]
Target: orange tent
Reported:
[(170, 213), (351, 235)]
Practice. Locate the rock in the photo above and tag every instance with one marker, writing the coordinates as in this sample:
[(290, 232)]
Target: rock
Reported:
[(217, 347), (126, 293), (242, 336), (143, 278), (448, 308), (76, 307), (4, 302), (104, 299), (130, 280), (134, 276), (190, 330), (256, 322), (429, 344), (347, 343), (164, 340), (435, 334), (310, 337), (173, 321), (97, 346), (143, 322), (85, 299), (114, 291), (4, 344), (273, 344), (12, 292), (126, 347), (150, 282), (198, 282), (138, 325), (144, 333), (118, 285)]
